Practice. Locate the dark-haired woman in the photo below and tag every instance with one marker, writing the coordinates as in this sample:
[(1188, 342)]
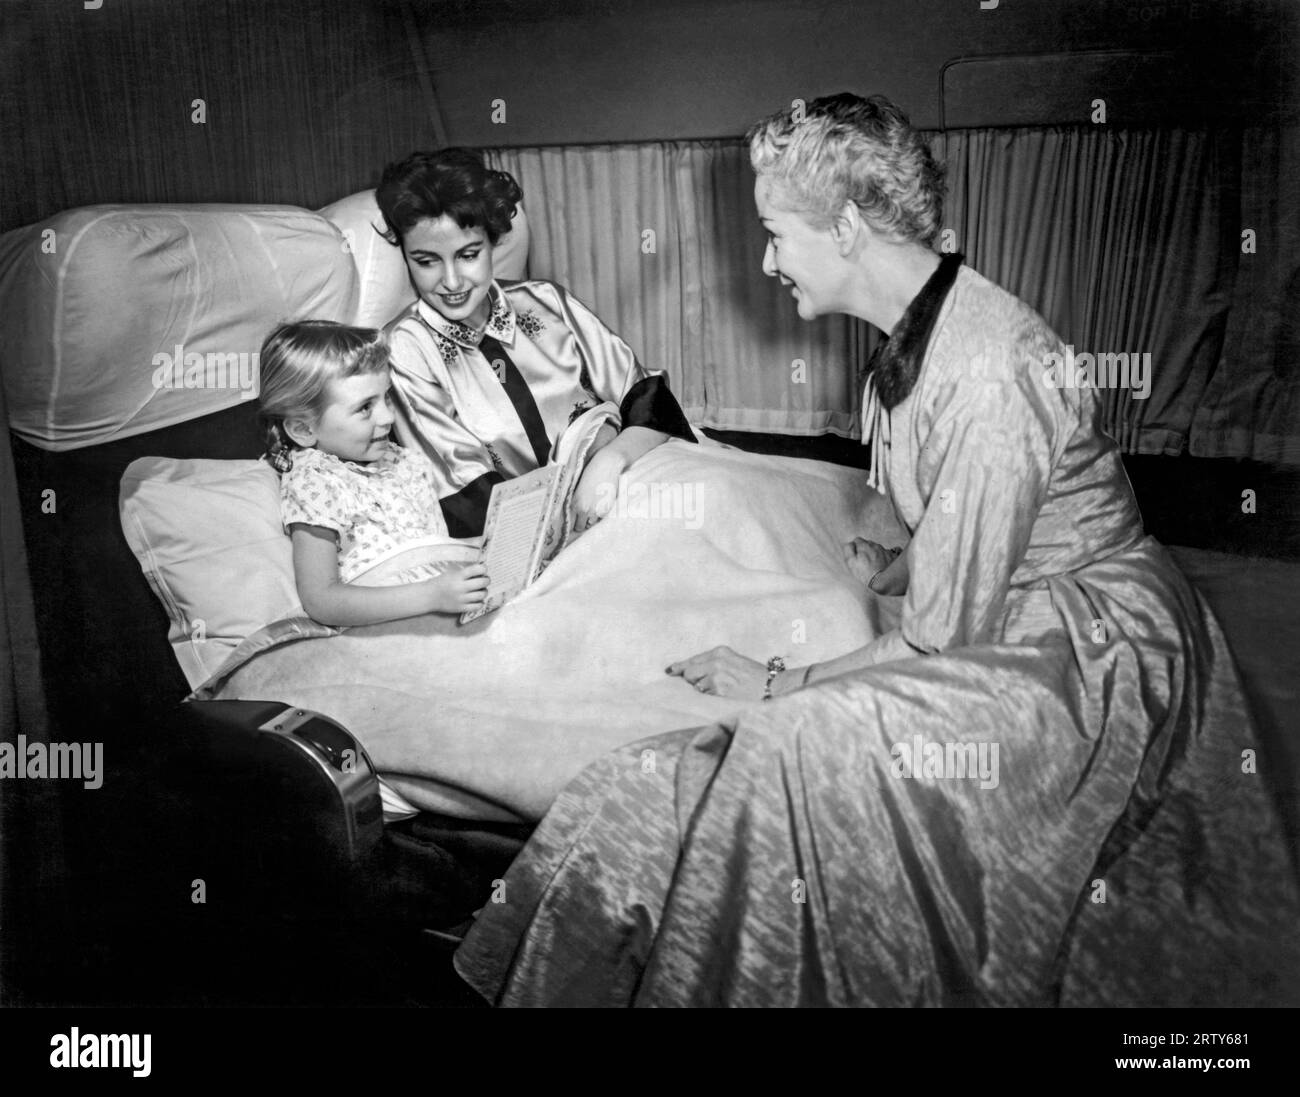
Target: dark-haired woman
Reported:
[(487, 375)]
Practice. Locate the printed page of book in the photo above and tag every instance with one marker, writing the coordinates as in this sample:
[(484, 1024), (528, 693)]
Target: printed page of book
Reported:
[(516, 517), (571, 452)]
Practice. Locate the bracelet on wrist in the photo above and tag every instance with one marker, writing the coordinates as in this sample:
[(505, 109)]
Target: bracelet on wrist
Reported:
[(775, 666)]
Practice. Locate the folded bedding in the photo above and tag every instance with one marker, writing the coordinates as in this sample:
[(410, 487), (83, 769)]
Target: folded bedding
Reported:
[(706, 545)]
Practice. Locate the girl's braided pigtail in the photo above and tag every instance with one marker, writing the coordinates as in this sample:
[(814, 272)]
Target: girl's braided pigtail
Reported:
[(278, 450)]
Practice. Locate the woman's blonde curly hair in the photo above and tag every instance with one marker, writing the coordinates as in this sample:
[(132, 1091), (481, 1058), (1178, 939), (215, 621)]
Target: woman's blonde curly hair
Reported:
[(843, 148)]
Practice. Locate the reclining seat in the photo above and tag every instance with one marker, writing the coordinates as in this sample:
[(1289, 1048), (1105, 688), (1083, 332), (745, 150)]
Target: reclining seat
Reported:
[(248, 797)]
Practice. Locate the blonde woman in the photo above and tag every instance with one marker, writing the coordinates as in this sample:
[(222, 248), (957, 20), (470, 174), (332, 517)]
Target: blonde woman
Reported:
[(1036, 789)]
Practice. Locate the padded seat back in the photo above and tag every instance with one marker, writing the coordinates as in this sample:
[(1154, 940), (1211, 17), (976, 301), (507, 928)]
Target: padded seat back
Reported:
[(107, 665)]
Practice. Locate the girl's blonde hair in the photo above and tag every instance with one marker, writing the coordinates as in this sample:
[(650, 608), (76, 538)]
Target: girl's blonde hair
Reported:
[(298, 362)]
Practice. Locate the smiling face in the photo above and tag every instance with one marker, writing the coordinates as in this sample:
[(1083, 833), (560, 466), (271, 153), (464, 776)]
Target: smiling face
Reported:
[(799, 253), (450, 268), (356, 421)]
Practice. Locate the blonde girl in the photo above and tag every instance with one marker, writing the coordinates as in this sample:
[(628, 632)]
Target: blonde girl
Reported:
[(369, 540)]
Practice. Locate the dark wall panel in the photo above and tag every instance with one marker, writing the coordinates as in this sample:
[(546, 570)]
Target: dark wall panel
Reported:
[(306, 99), (625, 71)]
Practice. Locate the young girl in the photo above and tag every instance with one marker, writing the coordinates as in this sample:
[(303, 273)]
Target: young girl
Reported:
[(357, 506)]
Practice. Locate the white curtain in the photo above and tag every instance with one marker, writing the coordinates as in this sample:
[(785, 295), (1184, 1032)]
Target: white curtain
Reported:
[(1127, 241), (662, 241)]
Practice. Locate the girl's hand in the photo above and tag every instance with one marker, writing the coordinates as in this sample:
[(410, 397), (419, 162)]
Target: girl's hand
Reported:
[(597, 489), (458, 589), (723, 672)]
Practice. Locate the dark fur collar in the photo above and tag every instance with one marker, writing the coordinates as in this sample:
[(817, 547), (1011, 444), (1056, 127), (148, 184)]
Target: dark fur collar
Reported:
[(897, 360)]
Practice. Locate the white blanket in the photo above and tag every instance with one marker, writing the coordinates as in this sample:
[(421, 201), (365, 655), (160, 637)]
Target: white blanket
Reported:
[(707, 545)]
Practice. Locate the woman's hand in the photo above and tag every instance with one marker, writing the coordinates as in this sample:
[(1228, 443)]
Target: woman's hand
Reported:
[(607, 433), (865, 558), (724, 673), (873, 565), (458, 589), (598, 488), (611, 456)]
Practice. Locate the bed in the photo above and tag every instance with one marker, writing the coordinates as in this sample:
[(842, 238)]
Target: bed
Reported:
[(99, 307), (476, 727), (708, 545), (162, 573)]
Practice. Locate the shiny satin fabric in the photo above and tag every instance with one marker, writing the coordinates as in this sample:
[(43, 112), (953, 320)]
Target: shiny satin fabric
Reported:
[(1121, 850), (452, 402)]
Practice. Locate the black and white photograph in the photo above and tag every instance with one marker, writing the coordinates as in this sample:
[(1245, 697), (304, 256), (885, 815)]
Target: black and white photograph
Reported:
[(683, 503)]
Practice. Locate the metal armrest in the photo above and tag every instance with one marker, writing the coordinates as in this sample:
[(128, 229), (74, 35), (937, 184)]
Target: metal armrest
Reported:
[(297, 777), (282, 806)]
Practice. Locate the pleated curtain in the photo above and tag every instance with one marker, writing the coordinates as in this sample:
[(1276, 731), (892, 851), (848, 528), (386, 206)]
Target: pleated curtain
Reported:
[(1251, 405), (1128, 242), (662, 241), (1120, 239)]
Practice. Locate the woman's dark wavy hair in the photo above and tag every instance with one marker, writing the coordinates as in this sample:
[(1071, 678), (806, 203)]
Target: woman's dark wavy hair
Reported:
[(454, 182)]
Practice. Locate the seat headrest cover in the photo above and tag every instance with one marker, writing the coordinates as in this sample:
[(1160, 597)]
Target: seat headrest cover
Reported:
[(117, 320)]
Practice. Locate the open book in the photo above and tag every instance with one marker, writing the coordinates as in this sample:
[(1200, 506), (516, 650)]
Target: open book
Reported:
[(529, 518)]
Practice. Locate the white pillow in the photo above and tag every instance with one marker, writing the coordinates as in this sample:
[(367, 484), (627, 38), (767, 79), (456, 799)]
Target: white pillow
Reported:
[(385, 288), (95, 302), (209, 538)]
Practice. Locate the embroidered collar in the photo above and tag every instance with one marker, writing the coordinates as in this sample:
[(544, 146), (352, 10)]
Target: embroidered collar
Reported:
[(897, 361), (500, 322)]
